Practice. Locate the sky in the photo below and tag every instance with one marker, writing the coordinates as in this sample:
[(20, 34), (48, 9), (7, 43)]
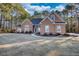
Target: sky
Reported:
[(31, 7)]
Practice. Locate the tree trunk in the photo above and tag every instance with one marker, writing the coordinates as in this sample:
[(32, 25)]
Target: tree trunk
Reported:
[(1, 22), (78, 24), (11, 23), (68, 21), (71, 21)]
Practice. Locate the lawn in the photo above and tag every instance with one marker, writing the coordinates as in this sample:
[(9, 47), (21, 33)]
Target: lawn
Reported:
[(29, 45)]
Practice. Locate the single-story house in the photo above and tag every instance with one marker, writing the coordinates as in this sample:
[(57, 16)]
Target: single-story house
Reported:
[(51, 24), (27, 26)]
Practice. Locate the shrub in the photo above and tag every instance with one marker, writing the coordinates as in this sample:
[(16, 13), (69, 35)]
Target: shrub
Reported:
[(6, 30), (26, 32), (13, 30), (66, 35), (45, 34), (38, 33), (30, 32), (57, 34), (50, 34)]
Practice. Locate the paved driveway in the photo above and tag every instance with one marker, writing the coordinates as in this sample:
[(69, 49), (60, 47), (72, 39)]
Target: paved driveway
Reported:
[(29, 44)]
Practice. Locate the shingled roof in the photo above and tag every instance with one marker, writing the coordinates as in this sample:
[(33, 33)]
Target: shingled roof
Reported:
[(56, 18), (36, 20)]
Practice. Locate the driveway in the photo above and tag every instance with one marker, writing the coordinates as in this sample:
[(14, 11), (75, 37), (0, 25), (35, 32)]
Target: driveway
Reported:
[(13, 44)]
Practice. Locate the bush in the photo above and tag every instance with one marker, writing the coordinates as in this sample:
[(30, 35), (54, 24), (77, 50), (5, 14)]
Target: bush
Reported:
[(50, 34), (30, 32), (66, 35), (13, 30), (38, 33), (26, 32), (45, 34), (57, 34), (6, 30)]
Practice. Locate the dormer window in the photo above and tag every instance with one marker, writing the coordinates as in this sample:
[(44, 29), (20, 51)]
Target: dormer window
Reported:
[(53, 17)]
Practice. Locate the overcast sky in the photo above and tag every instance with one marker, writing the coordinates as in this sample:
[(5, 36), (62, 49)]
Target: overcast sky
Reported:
[(31, 7)]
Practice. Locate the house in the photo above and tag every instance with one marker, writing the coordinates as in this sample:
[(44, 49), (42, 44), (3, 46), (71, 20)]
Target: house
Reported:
[(27, 26), (51, 24)]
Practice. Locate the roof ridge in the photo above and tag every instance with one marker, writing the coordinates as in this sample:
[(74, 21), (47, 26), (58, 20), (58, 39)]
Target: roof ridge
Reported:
[(24, 21), (59, 17)]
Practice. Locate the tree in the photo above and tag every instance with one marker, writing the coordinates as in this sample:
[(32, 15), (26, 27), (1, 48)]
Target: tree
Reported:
[(36, 13), (52, 12), (45, 13), (58, 12), (65, 17), (7, 12), (70, 8), (77, 16)]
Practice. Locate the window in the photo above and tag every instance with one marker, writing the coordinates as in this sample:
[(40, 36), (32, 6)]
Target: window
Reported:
[(58, 29), (53, 17), (46, 28)]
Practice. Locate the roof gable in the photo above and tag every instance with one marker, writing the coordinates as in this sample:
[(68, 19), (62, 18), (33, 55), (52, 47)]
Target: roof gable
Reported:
[(58, 19), (26, 21), (54, 18), (46, 19)]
